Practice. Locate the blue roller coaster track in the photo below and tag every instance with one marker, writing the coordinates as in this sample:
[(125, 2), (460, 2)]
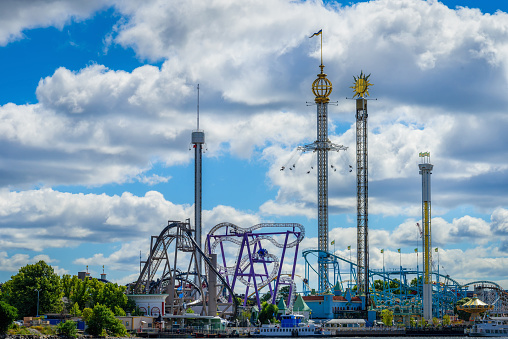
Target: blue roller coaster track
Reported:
[(393, 287)]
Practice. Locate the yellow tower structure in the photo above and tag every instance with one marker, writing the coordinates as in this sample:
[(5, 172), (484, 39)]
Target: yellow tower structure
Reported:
[(425, 171)]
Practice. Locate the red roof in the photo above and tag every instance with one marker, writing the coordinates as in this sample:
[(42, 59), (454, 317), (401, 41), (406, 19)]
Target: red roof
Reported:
[(311, 298)]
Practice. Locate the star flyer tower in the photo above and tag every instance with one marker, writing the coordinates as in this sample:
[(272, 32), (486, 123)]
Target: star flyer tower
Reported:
[(322, 88), (361, 89), (425, 170)]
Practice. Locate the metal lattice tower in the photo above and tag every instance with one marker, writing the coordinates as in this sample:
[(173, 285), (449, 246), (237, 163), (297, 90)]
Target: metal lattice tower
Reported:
[(425, 170), (361, 88), (362, 196), (322, 88)]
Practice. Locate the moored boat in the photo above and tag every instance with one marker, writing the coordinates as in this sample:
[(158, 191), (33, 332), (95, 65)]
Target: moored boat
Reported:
[(489, 327), (291, 325)]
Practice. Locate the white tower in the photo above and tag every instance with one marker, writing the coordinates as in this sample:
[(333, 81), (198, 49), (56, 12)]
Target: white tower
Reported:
[(425, 170)]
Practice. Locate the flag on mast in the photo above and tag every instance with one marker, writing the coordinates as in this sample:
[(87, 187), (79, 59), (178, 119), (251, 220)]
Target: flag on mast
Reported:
[(317, 33)]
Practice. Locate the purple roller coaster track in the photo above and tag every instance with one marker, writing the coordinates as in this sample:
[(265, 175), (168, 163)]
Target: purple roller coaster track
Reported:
[(257, 265)]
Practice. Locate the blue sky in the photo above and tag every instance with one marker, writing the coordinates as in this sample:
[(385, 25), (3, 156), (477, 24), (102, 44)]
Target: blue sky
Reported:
[(98, 101)]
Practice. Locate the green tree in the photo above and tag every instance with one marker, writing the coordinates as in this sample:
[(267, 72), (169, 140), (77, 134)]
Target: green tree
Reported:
[(435, 322), (265, 297), (284, 292), (119, 312), (67, 329), (103, 319), (387, 317), (379, 285), (395, 286), (268, 313), (22, 288), (446, 320), (462, 314), (76, 291), (89, 292), (87, 314), (412, 322), (8, 314), (75, 311)]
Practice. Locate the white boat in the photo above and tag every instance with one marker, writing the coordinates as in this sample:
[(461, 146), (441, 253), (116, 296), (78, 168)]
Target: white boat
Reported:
[(489, 327), (291, 325)]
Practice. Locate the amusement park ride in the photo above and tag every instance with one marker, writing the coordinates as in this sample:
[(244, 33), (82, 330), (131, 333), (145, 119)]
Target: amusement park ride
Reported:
[(249, 261)]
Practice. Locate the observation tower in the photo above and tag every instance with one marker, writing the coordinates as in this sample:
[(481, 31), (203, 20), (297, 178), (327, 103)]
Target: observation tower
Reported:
[(322, 88), (361, 89), (425, 171), (198, 140)]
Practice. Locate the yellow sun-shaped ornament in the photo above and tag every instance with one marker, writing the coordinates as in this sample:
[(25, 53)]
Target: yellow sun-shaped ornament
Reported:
[(361, 86)]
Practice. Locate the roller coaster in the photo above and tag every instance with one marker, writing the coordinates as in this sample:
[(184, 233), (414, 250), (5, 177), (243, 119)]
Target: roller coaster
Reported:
[(173, 259), (403, 287), (261, 253)]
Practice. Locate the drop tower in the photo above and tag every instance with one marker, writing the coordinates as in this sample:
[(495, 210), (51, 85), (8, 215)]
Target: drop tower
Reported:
[(425, 171), (198, 141), (361, 89)]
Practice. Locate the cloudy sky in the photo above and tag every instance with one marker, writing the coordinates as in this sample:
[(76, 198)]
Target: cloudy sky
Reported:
[(98, 102)]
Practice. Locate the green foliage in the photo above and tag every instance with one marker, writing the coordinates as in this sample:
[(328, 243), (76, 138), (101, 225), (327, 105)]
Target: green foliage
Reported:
[(265, 297), (423, 322), (119, 312), (387, 317), (75, 311), (267, 313), (416, 281), (87, 314), (89, 292), (380, 286), (8, 314), (412, 322), (21, 290), (67, 329), (462, 314), (446, 320), (130, 307), (189, 310), (45, 330), (103, 320), (395, 286), (21, 330), (284, 292)]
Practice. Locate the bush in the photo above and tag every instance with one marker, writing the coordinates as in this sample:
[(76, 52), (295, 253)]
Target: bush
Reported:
[(7, 315), (103, 319), (67, 329)]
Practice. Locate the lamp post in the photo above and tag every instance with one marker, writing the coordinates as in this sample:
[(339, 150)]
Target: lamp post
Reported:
[(37, 289)]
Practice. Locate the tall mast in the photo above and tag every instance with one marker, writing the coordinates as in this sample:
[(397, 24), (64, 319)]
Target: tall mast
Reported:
[(198, 140)]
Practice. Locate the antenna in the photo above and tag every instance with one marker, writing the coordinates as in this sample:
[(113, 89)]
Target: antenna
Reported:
[(198, 107)]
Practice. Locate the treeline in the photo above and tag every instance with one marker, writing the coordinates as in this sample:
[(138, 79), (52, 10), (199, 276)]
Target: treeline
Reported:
[(39, 286)]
